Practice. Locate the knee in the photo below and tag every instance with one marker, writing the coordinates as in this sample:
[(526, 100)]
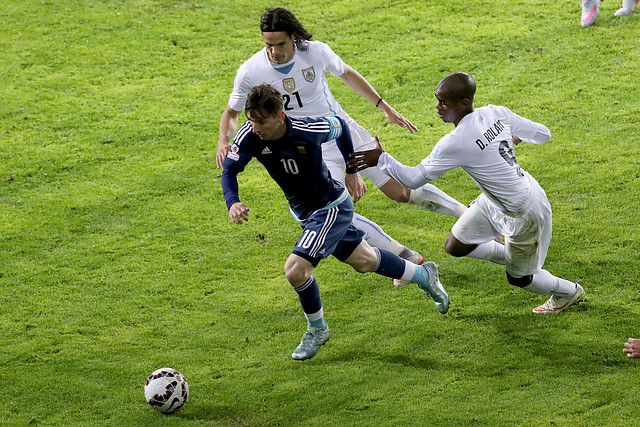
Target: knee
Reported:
[(451, 250), (521, 282), (362, 267), (295, 276), (363, 259), (455, 248)]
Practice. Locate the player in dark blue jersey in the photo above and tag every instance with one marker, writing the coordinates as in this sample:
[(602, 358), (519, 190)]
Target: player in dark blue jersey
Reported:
[(290, 150)]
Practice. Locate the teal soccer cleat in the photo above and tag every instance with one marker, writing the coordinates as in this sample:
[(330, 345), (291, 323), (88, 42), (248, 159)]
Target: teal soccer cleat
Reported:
[(311, 342), (434, 288)]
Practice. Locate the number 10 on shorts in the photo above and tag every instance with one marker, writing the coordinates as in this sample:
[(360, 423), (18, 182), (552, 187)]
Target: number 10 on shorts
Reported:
[(307, 239)]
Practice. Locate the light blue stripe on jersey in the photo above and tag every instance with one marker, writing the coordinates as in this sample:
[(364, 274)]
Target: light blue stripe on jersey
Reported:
[(340, 199), (336, 127)]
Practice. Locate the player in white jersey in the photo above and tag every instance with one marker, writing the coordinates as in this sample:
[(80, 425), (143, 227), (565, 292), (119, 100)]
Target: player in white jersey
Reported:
[(512, 203), (296, 66)]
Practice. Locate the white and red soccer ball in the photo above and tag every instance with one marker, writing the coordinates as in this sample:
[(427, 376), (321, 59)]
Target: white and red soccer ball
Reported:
[(166, 390)]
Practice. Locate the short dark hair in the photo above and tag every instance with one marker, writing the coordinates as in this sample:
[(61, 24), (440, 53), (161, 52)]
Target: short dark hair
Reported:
[(458, 86), (278, 19), (263, 101)]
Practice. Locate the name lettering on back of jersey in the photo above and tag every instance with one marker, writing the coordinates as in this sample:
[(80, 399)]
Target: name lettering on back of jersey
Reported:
[(289, 84), (309, 74), (490, 135)]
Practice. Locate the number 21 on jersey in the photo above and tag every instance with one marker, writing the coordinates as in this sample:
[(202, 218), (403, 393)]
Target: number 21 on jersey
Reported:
[(289, 104)]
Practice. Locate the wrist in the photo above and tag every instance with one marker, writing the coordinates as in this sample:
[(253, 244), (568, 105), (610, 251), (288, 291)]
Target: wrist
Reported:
[(379, 102)]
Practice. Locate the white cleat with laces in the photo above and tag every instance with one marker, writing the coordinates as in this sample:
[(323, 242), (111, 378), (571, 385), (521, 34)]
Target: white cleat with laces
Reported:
[(557, 304)]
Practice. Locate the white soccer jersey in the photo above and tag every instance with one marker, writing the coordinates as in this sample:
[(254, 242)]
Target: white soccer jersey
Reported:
[(303, 85), (301, 81), (481, 145)]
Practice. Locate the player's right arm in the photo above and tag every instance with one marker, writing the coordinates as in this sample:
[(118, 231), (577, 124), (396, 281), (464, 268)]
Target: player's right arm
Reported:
[(234, 163), (242, 85), (228, 128)]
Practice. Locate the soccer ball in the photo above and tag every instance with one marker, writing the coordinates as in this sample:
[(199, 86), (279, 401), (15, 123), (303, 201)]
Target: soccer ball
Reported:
[(166, 390)]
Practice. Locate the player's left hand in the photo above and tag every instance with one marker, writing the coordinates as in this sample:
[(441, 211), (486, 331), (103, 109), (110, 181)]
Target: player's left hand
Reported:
[(516, 140), (365, 159), (355, 185), (394, 117)]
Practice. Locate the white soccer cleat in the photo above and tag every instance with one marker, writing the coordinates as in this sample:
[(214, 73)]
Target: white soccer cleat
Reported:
[(411, 256), (590, 12), (556, 304), (628, 7)]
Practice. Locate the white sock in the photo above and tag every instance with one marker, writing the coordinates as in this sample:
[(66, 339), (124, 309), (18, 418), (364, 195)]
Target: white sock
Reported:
[(431, 198), (490, 251), (409, 270), (545, 283), (374, 235)]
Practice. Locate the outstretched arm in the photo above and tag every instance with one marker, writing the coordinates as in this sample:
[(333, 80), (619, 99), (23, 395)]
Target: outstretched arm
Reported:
[(228, 128), (362, 87), (412, 177), (361, 160)]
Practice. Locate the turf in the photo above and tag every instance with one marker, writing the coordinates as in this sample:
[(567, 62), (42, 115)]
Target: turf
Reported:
[(117, 256)]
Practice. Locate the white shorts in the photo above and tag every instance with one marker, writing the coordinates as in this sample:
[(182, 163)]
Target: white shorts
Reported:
[(362, 140), (527, 233)]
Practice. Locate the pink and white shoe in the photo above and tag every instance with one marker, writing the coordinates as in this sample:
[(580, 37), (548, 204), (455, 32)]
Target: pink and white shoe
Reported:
[(557, 304), (590, 12), (628, 7)]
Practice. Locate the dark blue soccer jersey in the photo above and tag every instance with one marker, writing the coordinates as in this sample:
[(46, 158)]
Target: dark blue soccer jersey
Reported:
[(293, 161)]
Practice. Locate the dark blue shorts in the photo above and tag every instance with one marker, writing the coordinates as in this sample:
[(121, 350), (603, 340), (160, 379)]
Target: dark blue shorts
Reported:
[(329, 232)]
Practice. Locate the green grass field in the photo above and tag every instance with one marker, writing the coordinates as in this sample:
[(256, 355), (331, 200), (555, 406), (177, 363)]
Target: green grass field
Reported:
[(117, 256)]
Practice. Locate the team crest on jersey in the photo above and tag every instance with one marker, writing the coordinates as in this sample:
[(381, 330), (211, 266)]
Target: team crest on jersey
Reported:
[(289, 84), (309, 74), (233, 153), (302, 149)]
